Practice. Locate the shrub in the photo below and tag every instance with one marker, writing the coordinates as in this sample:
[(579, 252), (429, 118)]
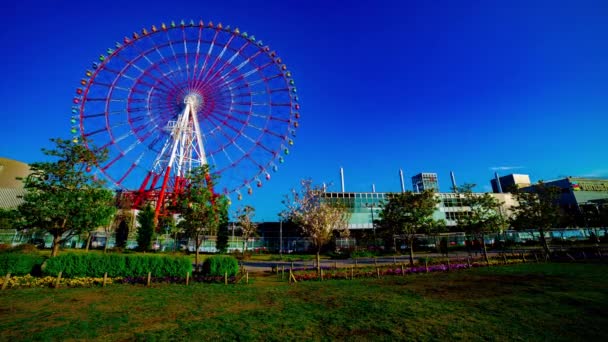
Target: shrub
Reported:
[(117, 265), (217, 265), (19, 263)]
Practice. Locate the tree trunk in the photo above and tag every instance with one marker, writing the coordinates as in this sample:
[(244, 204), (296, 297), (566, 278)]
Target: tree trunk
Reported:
[(543, 242), (411, 252), (485, 251), (88, 242), (244, 246), (319, 261), (198, 245), (105, 246), (56, 242)]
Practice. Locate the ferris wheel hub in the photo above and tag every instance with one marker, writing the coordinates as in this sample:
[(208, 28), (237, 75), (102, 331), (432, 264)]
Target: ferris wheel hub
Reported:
[(195, 100)]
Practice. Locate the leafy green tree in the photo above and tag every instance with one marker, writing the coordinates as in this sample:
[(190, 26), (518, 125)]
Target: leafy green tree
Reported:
[(122, 233), (201, 210), (221, 243), (484, 216), (62, 197), (145, 231), (408, 214), (318, 218), (8, 218), (433, 228), (538, 209), (249, 229)]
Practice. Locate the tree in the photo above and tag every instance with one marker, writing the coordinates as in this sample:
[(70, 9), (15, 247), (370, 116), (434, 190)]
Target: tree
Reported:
[(318, 218), (484, 216), (62, 198), (248, 227), (201, 210), (145, 231), (539, 209), (122, 233), (221, 243), (408, 214)]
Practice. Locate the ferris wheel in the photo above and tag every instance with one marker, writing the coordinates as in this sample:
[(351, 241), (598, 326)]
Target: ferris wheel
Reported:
[(172, 98)]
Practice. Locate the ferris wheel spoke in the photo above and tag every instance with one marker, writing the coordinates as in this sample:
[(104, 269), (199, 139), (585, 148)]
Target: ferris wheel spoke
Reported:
[(186, 54), (243, 76), (170, 41), (208, 77), (200, 79)]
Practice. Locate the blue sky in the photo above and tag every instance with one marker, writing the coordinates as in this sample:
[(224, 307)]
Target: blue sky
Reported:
[(426, 86)]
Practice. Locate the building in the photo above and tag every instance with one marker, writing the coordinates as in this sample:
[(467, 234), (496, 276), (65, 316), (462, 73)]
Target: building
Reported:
[(365, 207), (10, 187), (577, 191), (425, 181), (509, 182)]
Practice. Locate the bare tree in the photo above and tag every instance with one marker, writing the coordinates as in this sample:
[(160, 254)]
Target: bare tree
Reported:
[(319, 218), (245, 222)]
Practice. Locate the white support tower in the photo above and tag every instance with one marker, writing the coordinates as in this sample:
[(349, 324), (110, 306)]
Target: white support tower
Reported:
[(184, 150)]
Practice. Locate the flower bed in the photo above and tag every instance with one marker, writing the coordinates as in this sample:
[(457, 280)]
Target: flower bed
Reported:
[(28, 281)]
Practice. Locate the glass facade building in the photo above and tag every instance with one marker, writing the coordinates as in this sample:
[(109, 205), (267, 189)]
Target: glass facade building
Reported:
[(366, 206)]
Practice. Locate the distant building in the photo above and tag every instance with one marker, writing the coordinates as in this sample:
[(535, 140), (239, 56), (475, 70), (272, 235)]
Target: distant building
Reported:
[(578, 191), (10, 187), (425, 181), (510, 182), (365, 207)]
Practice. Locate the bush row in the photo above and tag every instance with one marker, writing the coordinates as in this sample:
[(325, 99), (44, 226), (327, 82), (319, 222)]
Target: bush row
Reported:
[(218, 265), (18, 263), (95, 265)]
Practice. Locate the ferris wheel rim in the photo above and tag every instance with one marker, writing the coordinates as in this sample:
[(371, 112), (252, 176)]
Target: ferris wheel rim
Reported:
[(262, 167)]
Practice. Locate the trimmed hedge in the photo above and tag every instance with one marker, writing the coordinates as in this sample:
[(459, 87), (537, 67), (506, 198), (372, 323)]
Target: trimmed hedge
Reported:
[(217, 265), (95, 265), (19, 263)]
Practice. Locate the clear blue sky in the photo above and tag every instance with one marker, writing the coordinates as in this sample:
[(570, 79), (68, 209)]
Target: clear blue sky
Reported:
[(427, 86)]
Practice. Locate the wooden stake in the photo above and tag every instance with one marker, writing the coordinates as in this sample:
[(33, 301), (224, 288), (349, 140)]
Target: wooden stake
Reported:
[(378, 272), (469, 261), (426, 265), (335, 265), (570, 256), (352, 272), (105, 279), (282, 272), (504, 258), (584, 255), (356, 262), (321, 274), (402, 270), (394, 260), (376, 261), (292, 277), (225, 278), (149, 278), (58, 279), (536, 257), (247, 277), (6, 279), (187, 278)]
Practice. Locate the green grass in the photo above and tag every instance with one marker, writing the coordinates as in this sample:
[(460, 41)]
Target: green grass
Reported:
[(529, 302)]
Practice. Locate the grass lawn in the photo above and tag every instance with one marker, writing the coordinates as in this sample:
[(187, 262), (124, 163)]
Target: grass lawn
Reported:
[(538, 302)]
